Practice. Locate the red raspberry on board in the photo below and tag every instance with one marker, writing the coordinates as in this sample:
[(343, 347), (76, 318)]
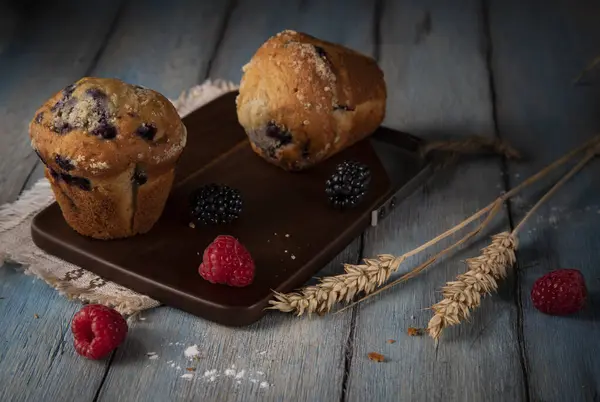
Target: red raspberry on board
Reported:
[(559, 292), (97, 331), (226, 261)]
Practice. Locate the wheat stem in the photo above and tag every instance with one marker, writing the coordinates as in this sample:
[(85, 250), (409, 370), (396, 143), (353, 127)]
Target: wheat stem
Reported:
[(416, 271), (511, 193), (464, 294), (367, 277), (593, 64), (589, 156)]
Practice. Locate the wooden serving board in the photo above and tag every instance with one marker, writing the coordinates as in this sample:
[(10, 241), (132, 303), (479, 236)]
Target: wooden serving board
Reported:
[(286, 224)]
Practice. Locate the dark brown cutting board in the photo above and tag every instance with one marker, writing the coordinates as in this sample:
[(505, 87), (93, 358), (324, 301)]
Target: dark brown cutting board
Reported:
[(286, 224)]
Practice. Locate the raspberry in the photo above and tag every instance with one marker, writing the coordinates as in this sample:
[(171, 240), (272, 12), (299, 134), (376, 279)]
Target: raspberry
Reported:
[(226, 261), (559, 292), (97, 331)]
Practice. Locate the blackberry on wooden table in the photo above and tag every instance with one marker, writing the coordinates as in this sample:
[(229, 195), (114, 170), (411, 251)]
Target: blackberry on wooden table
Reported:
[(348, 185), (215, 204)]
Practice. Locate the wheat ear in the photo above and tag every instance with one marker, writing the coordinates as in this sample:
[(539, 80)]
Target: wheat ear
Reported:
[(367, 277), (484, 271)]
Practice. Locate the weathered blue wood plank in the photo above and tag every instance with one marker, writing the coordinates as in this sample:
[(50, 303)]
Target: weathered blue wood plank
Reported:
[(10, 16), (52, 368), (433, 56), (36, 355), (37, 61), (167, 46), (299, 359), (174, 44), (537, 52), (48, 50), (37, 359), (349, 23)]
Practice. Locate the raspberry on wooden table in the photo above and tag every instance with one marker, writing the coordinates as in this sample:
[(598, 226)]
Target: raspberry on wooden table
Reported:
[(226, 261), (97, 331), (559, 292)]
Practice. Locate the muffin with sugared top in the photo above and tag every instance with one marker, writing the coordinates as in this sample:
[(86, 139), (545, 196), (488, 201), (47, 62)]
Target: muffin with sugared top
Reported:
[(110, 151)]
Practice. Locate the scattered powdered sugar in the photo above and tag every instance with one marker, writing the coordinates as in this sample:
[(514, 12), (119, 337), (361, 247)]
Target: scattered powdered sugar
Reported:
[(211, 375), (173, 150), (234, 376), (192, 352), (240, 376), (98, 165)]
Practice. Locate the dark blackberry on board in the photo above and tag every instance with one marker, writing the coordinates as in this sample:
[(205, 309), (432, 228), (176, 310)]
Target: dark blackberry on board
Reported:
[(347, 186), (215, 204)]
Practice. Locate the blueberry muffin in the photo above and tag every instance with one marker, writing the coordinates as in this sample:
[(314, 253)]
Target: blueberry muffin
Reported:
[(302, 100), (109, 150)]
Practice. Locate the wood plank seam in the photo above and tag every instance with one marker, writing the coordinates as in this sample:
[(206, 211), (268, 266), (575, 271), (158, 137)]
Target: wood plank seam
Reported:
[(88, 71), (60, 345), (377, 29), (487, 34), (203, 75), (231, 6), (105, 375), (349, 345)]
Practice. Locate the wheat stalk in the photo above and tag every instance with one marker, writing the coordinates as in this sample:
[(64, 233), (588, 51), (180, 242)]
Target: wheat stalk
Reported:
[(484, 271), (366, 278), (320, 298), (591, 66), (464, 294)]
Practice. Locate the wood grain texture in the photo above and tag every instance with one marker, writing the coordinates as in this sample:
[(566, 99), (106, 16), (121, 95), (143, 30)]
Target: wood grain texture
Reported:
[(10, 17), (541, 112), (433, 56), (37, 358), (40, 60), (174, 45), (253, 22), (54, 369), (167, 48), (301, 359), (297, 359)]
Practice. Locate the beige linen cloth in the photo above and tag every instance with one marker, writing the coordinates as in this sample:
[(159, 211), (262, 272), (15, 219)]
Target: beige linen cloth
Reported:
[(70, 280)]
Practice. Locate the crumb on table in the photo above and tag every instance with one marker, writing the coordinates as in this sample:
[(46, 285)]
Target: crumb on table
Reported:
[(376, 357), (412, 331)]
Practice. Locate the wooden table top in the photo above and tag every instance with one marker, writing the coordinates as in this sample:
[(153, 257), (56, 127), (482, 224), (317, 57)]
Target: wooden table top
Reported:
[(493, 67)]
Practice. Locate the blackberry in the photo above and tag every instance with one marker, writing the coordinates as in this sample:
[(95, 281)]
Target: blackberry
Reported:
[(215, 204), (348, 185)]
